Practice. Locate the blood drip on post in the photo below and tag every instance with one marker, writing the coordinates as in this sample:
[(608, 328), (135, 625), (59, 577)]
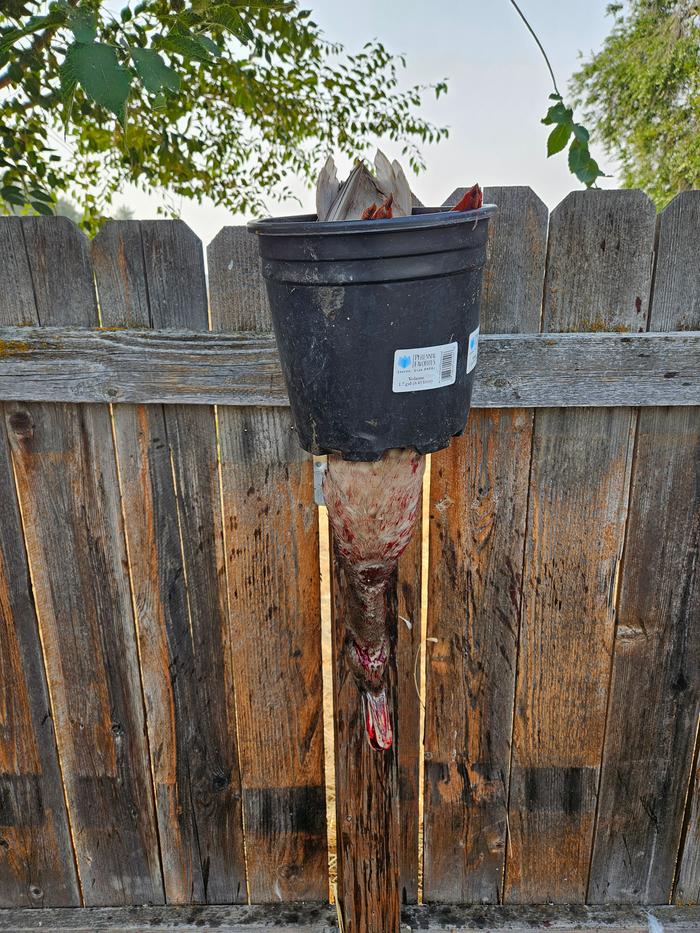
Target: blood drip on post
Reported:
[(372, 507)]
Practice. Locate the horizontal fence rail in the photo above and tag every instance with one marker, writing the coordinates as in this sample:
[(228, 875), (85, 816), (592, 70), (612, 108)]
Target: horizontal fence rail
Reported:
[(316, 919), (550, 370), (167, 684)]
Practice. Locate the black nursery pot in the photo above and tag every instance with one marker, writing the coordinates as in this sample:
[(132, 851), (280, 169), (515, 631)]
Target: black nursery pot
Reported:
[(377, 325)]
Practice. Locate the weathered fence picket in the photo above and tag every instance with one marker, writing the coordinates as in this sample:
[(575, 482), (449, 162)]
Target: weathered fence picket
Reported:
[(409, 636), (66, 476), (152, 274), (36, 859), (271, 529), (377, 802), (598, 275), (477, 512), (161, 689), (655, 679)]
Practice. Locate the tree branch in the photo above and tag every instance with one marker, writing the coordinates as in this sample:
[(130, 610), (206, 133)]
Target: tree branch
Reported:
[(539, 44), (39, 42)]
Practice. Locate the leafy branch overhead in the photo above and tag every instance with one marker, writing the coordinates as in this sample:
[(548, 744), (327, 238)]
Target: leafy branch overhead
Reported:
[(581, 163), (198, 99)]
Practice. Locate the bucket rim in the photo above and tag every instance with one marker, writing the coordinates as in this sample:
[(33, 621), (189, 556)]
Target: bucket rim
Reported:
[(422, 218)]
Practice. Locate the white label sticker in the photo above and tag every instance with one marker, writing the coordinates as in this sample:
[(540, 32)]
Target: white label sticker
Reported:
[(473, 349), (425, 368)]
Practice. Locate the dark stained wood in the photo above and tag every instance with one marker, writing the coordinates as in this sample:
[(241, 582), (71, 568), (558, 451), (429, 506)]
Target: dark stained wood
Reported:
[(407, 711), (655, 686), (65, 467), (598, 275), (367, 783), (687, 889), (683, 215), (316, 918), (153, 273), (271, 531), (37, 866), (478, 509)]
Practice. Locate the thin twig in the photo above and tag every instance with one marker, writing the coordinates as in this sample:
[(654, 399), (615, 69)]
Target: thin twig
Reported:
[(539, 44), (415, 678), (415, 671), (338, 908), (39, 42)]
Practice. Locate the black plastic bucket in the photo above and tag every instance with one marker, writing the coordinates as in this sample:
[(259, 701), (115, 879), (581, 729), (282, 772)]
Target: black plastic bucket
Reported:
[(377, 326)]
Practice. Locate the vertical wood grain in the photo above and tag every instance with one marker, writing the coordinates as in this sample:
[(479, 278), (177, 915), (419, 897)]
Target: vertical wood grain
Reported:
[(477, 526), (367, 783), (688, 882), (37, 865), (598, 277), (271, 528), (655, 686), (65, 467), (407, 711), (151, 274)]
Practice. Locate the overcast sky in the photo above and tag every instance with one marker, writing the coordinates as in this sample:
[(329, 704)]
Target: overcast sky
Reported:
[(498, 88)]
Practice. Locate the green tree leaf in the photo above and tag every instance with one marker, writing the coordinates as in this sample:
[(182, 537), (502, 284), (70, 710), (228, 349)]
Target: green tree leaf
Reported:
[(153, 71), (210, 45), (583, 166), (41, 208), (188, 44), (97, 70), (41, 195), (578, 156), (12, 195), (558, 138), (82, 22), (581, 133), (558, 114), (225, 15), (238, 126)]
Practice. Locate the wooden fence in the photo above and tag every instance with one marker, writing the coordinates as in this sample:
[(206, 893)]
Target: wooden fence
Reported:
[(161, 683)]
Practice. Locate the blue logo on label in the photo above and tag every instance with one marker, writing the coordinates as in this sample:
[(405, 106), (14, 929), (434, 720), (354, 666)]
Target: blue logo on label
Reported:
[(404, 362), (471, 343)]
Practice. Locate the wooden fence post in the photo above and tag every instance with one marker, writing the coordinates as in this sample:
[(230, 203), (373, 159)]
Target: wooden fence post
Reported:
[(367, 785)]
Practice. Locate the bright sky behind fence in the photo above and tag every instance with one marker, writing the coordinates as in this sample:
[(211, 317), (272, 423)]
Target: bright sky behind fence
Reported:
[(498, 89)]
